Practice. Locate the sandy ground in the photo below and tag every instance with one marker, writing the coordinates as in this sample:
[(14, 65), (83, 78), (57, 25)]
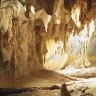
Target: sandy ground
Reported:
[(40, 78), (45, 78), (40, 93)]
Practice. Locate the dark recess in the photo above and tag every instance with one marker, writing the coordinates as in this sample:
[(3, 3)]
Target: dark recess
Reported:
[(89, 4), (68, 4)]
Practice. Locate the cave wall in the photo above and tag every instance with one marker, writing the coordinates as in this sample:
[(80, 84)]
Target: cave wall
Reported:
[(18, 40), (72, 31), (26, 38)]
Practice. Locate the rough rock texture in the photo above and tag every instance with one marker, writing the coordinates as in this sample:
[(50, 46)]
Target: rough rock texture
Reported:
[(17, 44), (71, 26), (26, 34)]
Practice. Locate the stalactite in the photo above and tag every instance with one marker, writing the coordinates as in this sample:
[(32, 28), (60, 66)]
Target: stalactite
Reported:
[(40, 34), (28, 9), (51, 27)]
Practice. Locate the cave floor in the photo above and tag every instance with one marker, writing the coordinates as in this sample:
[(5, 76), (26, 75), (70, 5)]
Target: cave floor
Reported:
[(40, 78), (77, 84)]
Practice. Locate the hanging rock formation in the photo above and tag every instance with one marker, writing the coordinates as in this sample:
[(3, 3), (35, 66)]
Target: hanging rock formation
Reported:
[(24, 33)]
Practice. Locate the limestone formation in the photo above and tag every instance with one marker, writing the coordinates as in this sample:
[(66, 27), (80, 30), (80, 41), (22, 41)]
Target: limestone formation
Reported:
[(27, 28)]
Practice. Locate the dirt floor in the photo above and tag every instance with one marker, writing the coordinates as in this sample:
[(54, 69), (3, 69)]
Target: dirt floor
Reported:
[(42, 78), (45, 78), (39, 78), (39, 93)]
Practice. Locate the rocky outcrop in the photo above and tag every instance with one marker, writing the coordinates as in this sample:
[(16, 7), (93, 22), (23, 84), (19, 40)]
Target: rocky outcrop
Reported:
[(26, 33), (18, 42)]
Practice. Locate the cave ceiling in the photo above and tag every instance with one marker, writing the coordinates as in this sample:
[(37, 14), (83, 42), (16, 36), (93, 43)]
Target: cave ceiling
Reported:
[(48, 5)]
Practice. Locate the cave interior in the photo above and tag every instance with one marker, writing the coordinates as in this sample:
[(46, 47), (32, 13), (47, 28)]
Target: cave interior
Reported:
[(47, 47)]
